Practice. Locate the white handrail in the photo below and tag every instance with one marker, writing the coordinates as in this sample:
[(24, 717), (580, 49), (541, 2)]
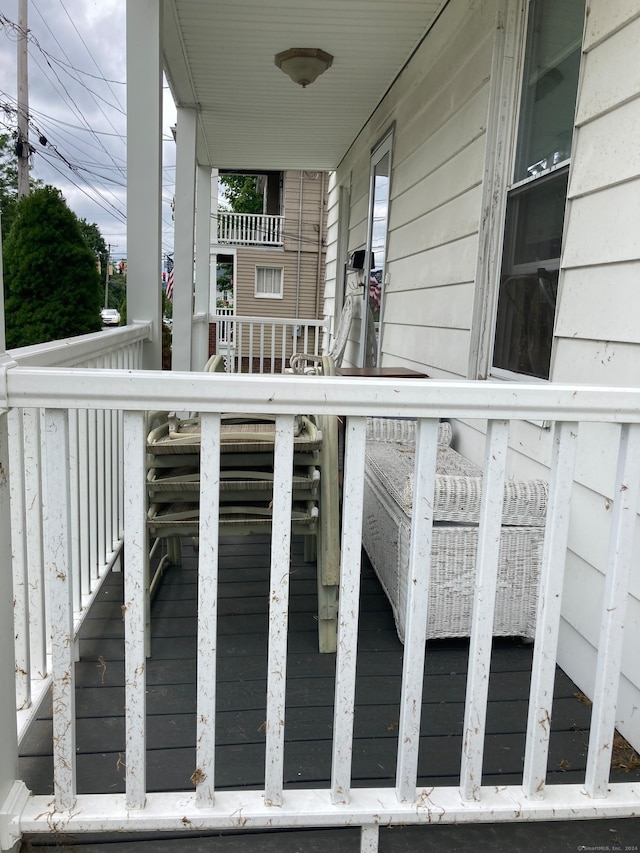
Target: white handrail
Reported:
[(86, 350)]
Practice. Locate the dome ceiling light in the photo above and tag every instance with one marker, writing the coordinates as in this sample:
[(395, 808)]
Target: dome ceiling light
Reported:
[(304, 64)]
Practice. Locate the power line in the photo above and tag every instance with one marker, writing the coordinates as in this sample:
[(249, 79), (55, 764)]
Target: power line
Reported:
[(93, 59), (71, 102)]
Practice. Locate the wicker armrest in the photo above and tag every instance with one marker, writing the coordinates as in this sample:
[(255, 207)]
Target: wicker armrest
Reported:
[(458, 486)]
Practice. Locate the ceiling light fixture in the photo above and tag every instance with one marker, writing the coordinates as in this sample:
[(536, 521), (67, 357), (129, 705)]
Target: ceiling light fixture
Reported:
[(304, 64)]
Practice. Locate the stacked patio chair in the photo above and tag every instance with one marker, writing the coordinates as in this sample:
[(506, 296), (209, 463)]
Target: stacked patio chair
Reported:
[(246, 492)]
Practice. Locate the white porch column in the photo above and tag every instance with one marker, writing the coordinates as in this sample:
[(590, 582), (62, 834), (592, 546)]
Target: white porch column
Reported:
[(200, 343), (144, 171), (183, 307), (213, 256), (12, 793)]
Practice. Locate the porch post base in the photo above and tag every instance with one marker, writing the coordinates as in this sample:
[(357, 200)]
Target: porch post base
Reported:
[(10, 814)]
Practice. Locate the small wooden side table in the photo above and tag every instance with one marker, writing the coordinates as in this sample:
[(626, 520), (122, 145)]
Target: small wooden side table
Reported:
[(381, 373)]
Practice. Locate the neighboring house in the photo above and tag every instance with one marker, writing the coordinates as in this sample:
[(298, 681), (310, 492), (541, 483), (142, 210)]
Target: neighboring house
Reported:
[(278, 257), (508, 149)]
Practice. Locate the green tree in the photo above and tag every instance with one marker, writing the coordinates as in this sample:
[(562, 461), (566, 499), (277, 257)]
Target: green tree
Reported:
[(52, 286), (242, 194), (93, 238), (9, 180)]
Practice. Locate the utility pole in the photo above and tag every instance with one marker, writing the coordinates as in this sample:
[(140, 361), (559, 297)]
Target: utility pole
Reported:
[(106, 277), (22, 143)]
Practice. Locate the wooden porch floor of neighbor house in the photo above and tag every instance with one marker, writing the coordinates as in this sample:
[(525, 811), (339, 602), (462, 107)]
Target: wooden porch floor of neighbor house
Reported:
[(242, 661)]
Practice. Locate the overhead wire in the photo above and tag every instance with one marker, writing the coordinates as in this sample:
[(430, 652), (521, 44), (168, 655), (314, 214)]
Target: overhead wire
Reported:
[(82, 164), (76, 168), (104, 202), (70, 99), (93, 59)]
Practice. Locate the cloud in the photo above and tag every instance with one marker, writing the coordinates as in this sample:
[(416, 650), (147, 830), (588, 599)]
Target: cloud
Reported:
[(77, 98)]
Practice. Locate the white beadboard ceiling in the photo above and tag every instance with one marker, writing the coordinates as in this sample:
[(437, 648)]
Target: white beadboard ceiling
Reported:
[(219, 56)]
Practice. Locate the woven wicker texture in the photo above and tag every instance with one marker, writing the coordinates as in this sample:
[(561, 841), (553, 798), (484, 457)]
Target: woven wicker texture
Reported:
[(388, 503), (386, 538), (458, 485), (402, 429)]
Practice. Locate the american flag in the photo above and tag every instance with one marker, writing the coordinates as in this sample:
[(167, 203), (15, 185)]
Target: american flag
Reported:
[(169, 278), (375, 293)]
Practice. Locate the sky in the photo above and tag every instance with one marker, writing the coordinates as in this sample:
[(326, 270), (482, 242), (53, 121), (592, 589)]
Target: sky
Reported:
[(77, 98)]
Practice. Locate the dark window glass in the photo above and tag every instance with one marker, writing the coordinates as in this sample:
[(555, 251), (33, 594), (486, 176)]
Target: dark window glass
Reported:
[(535, 207)]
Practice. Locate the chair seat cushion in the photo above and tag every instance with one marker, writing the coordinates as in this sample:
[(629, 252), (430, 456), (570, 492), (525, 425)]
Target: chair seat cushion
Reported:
[(458, 485)]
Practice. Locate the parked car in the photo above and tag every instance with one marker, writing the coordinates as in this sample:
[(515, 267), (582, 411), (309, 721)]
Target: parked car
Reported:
[(110, 317)]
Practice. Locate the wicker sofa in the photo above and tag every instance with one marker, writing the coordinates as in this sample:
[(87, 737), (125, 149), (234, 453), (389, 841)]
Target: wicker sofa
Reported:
[(388, 500)]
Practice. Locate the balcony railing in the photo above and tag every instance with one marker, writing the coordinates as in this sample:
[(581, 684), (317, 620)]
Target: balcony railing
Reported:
[(266, 344), (49, 409), (250, 229)]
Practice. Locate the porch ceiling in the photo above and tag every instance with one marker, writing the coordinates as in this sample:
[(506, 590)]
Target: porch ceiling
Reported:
[(219, 55)]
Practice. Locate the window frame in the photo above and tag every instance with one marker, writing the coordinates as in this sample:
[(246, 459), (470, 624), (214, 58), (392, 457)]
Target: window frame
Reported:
[(509, 111), (257, 294)]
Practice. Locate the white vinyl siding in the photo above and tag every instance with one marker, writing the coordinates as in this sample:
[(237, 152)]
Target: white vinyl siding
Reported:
[(597, 339), (439, 115)]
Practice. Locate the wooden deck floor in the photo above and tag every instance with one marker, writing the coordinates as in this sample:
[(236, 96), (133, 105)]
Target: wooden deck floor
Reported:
[(242, 678)]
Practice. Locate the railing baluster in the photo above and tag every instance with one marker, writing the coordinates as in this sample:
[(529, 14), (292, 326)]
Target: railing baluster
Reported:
[(60, 595), (284, 347), (92, 432), (74, 512), (83, 498), (473, 733), (278, 609), (614, 605), (100, 461), (417, 608), (273, 348), (108, 483), (369, 837), (115, 479), (136, 579), (262, 347), (204, 776), (19, 558), (554, 553), (350, 564), (35, 559)]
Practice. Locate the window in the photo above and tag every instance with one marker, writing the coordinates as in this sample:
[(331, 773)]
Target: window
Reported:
[(376, 252), (269, 282), (537, 196)]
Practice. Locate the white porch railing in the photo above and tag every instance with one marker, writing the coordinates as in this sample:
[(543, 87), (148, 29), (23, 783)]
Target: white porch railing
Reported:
[(250, 229), (265, 344), (68, 395), (94, 463)]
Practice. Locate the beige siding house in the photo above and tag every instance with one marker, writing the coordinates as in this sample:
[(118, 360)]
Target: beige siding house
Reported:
[(489, 151), (279, 272)]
